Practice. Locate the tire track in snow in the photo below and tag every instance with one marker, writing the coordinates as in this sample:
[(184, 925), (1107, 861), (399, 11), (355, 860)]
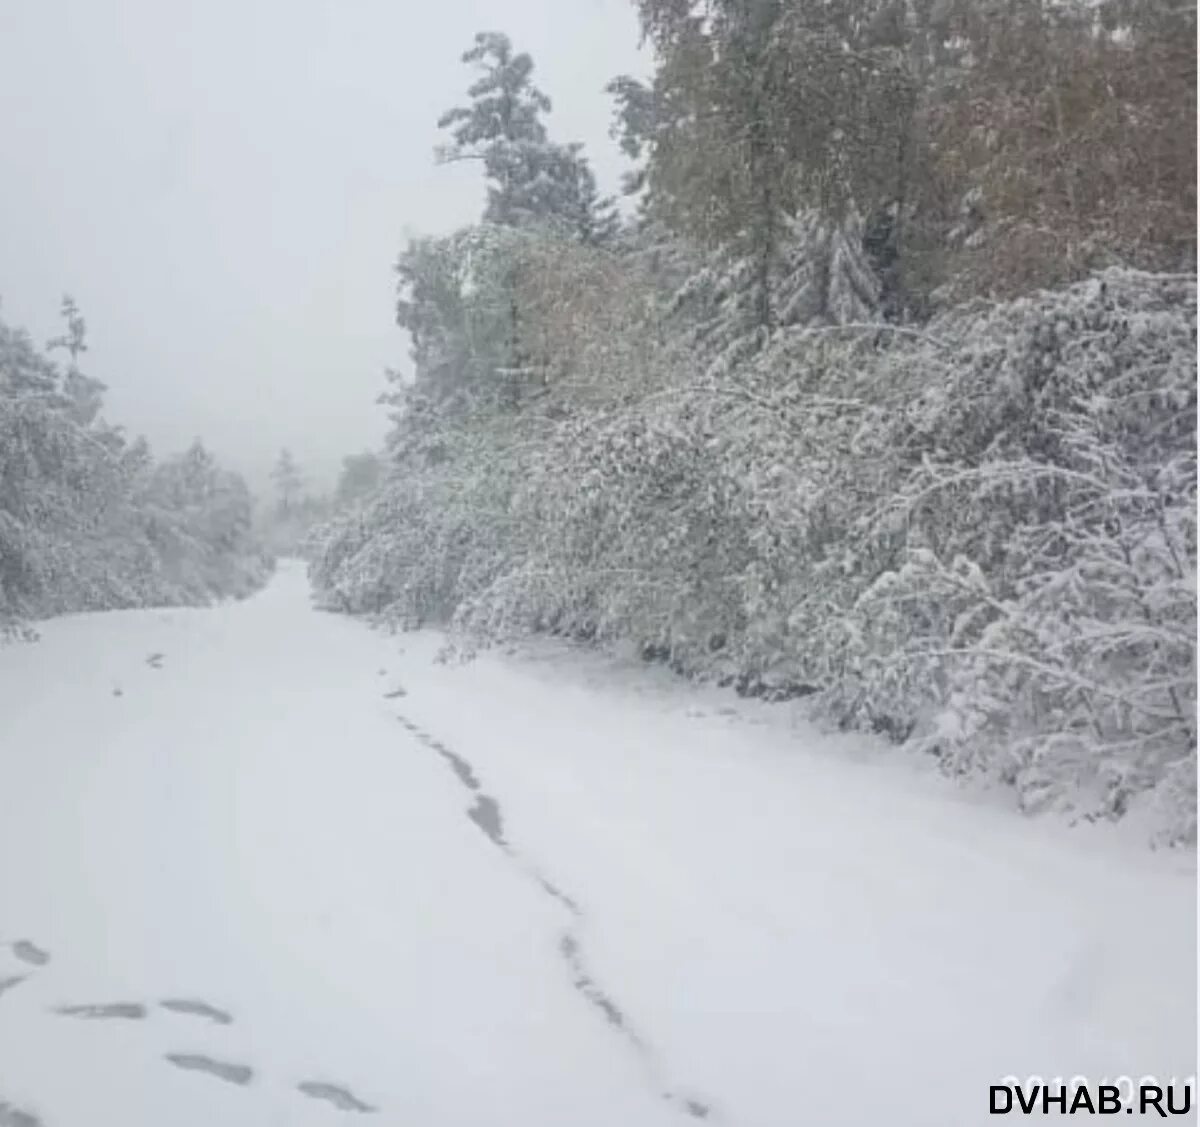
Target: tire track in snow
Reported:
[(486, 813)]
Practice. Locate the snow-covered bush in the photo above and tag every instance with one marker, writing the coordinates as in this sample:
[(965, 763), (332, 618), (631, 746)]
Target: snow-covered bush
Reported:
[(1051, 525), (978, 535)]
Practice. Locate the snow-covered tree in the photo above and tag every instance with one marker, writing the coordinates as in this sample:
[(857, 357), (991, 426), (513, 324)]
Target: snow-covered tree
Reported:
[(979, 536), (88, 520), (86, 393), (757, 435), (361, 474), (531, 179)]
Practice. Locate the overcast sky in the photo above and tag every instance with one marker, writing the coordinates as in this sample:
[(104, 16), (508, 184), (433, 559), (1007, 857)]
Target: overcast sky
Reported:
[(224, 185)]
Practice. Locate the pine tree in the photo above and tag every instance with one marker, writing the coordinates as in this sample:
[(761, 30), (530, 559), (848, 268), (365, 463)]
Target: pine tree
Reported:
[(74, 340), (85, 393), (761, 114), (531, 179)]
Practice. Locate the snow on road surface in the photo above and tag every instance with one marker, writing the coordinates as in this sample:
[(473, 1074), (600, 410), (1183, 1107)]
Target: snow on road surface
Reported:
[(262, 865)]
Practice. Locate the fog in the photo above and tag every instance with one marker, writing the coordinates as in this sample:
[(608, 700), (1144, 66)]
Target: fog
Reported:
[(224, 186)]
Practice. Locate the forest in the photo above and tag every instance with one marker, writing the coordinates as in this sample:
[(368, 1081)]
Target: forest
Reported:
[(878, 386), (684, 606), (89, 518)]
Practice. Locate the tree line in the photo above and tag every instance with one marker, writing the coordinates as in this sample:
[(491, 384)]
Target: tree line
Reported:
[(89, 518), (881, 391)]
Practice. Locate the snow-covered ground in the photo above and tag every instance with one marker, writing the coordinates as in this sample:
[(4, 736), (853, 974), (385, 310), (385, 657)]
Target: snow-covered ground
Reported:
[(303, 870)]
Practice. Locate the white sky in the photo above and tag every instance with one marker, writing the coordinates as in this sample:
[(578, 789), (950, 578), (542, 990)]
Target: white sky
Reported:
[(224, 186)]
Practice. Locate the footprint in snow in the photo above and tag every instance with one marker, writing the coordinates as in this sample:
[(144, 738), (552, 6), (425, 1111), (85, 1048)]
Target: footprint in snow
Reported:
[(229, 1071), (695, 1108), (31, 953), (223, 1070), (552, 890), (568, 947), (341, 1098), (195, 1008), (486, 815), (458, 765), (105, 1011)]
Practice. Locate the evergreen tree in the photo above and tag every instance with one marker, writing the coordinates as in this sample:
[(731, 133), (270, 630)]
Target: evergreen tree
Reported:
[(761, 116), (74, 340), (85, 393), (531, 179)]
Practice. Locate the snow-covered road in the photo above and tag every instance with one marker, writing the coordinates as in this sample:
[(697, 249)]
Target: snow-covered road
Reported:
[(261, 865)]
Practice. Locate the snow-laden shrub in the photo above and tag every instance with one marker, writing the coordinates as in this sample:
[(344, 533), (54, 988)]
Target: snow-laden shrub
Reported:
[(1049, 583), (427, 540), (978, 536)]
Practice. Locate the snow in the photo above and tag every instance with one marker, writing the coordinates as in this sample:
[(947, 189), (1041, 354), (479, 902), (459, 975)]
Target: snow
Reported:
[(678, 901)]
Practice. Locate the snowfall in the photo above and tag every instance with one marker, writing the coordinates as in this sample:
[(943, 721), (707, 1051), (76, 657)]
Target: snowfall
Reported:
[(261, 864)]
